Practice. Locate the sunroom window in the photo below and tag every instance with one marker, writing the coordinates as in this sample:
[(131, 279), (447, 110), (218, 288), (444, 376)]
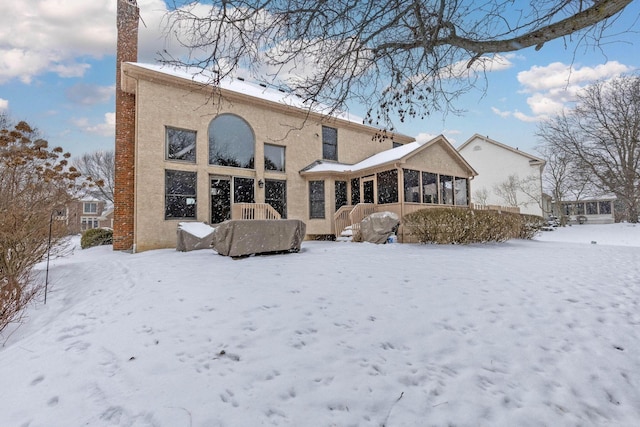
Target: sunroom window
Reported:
[(411, 186), (388, 187)]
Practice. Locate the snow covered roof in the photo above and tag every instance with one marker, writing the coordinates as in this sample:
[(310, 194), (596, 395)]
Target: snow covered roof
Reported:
[(241, 86), (379, 159), (475, 137)]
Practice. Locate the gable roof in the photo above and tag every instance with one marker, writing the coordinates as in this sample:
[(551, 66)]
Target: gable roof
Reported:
[(387, 157), (532, 159), (239, 87)]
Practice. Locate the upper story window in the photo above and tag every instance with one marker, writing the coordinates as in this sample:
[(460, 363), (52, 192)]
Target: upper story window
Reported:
[(90, 207), (274, 157), (231, 142), (329, 143), (181, 144)]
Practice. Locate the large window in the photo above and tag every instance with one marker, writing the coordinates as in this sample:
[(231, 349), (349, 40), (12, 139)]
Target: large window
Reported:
[(329, 143), (231, 142), (355, 191), (341, 194), (411, 186), (180, 194), (388, 187), (461, 191), (605, 208), (275, 194), (446, 189), (181, 144), (592, 208), (274, 157), (243, 190), (429, 187), (316, 199), (90, 207)]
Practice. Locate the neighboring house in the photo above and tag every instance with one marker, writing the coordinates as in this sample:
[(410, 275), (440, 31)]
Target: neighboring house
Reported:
[(84, 214), (589, 210), (188, 151), (506, 175)]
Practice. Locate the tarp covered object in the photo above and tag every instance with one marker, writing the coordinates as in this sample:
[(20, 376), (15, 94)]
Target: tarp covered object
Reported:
[(378, 226), (257, 236), (194, 235)]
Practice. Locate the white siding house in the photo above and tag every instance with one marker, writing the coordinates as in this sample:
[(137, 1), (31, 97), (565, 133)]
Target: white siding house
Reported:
[(506, 175)]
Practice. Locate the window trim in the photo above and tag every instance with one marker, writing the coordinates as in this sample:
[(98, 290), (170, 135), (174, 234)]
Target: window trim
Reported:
[(84, 208), (329, 143), (284, 157), (186, 196), (252, 162), (166, 144), (317, 200)]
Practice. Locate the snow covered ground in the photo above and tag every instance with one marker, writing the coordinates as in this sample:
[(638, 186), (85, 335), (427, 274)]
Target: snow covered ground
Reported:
[(522, 333)]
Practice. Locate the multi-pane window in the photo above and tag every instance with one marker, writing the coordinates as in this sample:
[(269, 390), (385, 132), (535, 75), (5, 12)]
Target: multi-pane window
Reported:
[(181, 144), (461, 191), (329, 143), (429, 187), (355, 191), (411, 186), (578, 208), (316, 199), (87, 223), (243, 190), (605, 208), (341, 194), (388, 187), (90, 207), (231, 142), (275, 194), (274, 157), (592, 208), (180, 194)]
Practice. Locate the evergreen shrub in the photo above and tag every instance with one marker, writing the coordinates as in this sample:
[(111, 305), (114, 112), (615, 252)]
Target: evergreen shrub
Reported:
[(96, 237), (464, 226)]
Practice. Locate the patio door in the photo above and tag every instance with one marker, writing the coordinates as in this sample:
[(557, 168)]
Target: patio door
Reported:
[(368, 195), (220, 198)]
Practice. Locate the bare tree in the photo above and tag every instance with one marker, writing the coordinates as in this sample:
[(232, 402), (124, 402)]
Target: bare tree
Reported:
[(481, 196), (98, 167), (405, 58), (34, 183), (602, 136), (519, 192)]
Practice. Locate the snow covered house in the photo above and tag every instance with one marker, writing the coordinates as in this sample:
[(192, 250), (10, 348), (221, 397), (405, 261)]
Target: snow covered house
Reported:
[(506, 175), (188, 151)]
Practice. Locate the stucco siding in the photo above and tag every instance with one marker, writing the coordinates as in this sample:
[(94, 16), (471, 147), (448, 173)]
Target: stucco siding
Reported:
[(159, 105)]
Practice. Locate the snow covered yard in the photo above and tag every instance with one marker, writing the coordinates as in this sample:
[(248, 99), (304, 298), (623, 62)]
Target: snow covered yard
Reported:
[(523, 333)]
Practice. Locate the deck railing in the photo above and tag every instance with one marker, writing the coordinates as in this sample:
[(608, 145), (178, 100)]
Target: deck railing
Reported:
[(341, 219), (254, 211), (360, 212), (512, 209)]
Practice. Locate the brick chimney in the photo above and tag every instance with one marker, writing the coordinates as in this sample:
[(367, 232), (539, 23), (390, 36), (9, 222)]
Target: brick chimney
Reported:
[(127, 51)]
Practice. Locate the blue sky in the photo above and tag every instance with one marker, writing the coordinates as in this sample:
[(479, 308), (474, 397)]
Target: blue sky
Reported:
[(57, 71)]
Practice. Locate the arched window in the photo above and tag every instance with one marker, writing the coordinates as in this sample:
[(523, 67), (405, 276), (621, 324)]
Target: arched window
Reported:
[(231, 142)]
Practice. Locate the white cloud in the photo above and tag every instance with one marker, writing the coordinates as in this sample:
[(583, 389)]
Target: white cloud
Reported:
[(4, 104), (106, 128), (86, 94), (449, 134), (59, 35), (554, 87)]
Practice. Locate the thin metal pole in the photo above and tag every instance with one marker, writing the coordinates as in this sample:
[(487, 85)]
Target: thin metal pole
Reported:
[(46, 277)]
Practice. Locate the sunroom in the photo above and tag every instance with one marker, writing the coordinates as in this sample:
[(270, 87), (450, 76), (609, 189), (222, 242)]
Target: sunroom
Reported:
[(401, 180)]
